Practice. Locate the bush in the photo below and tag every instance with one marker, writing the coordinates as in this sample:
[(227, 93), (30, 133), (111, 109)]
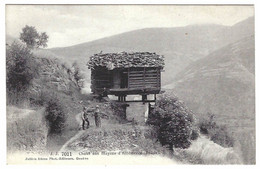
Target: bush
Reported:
[(21, 68), (55, 116), (217, 133), (77, 75), (174, 122)]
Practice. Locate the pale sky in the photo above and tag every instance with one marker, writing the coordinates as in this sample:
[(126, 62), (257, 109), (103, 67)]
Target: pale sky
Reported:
[(69, 25)]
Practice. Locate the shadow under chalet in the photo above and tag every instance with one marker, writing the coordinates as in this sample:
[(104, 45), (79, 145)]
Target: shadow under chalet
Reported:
[(122, 74)]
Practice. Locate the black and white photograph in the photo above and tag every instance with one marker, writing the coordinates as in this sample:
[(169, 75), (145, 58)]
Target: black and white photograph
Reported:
[(121, 84)]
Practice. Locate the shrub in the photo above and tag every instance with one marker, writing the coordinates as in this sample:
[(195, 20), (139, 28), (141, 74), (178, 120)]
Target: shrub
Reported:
[(217, 133), (174, 122), (21, 68), (43, 96), (77, 75), (55, 116)]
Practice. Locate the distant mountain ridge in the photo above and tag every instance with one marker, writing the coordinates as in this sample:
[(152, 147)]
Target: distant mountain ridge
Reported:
[(180, 45), (222, 83)]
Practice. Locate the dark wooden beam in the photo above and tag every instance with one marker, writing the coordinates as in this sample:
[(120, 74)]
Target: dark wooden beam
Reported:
[(146, 101)]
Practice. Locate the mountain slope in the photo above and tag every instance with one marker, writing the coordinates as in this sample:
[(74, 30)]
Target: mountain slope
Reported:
[(221, 83), (180, 46)]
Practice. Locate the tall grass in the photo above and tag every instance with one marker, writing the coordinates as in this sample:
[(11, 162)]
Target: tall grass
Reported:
[(204, 151), (20, 99), (241, 142), (217, 133), (26, 129)]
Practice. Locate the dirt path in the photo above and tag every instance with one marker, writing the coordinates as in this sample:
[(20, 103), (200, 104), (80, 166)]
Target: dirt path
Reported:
[(63, 148), (128, 159), (78, 119)]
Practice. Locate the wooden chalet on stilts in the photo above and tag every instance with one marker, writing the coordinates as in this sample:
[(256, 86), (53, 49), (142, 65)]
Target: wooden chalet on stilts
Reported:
[(123, 74)]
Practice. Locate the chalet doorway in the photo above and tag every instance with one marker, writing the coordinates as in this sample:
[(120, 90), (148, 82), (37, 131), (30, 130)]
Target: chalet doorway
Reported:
[(124, 79)]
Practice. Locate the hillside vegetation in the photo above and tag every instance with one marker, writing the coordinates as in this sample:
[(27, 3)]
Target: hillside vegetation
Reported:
[(51, 96)]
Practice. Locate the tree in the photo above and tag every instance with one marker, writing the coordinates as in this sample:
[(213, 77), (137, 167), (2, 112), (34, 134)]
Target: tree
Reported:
[(174, 122), (21, 67), (77, 75), (32, 38), (55, 115)]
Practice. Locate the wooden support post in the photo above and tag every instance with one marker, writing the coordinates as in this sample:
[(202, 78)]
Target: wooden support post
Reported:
[(128, 73), (149, 110), (144, 98), (155, 97), (144, 77), (158, 78), (122, 98)]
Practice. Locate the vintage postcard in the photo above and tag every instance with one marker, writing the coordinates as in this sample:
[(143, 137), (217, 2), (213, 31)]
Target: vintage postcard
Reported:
[(130, 84)]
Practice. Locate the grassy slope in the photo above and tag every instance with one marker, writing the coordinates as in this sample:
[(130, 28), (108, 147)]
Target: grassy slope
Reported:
[(115, 136), (205, 151), (118, 138), (223, 84), (57, 83), (26, 129)]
